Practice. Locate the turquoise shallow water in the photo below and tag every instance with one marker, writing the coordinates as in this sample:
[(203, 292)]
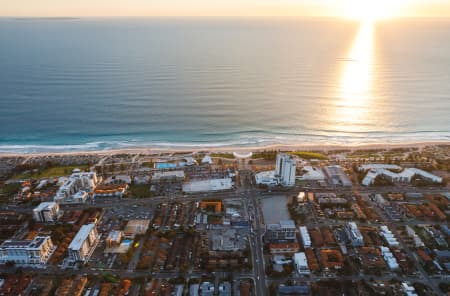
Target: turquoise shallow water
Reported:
[(88, 84)]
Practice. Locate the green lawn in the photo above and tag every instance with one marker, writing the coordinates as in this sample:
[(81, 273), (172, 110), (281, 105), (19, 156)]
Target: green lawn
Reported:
[(223, 155), (139, 191), (309, 155), (51, 172)]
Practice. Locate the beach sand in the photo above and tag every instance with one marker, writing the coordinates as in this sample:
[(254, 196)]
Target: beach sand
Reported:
[(230, 149)]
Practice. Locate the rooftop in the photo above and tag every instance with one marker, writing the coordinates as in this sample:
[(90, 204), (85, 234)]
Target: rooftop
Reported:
[(81, 236)]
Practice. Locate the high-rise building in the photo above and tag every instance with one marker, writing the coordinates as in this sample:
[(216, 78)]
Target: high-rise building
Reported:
[(285, 170), (27, 252)]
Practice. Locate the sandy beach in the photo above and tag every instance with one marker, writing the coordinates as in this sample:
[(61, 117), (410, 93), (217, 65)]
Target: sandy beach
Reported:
[(230, 149)]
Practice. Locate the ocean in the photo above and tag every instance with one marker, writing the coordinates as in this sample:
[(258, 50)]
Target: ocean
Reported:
[(108, 83)]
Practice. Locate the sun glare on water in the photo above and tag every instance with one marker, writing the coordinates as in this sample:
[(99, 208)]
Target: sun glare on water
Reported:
[(372, 10), (356, 81)]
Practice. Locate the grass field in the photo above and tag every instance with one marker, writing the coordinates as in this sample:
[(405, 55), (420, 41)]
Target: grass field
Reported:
[(139, 191), (50, 172), (223, 155), (309, 155)]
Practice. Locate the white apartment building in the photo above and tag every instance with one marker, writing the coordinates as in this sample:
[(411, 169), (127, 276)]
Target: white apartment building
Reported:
[(83, 244), (306, 239), (77, 182), (46, 212), (301, 263), (33, 252), (404, 176), (285, 170), (354, 235)]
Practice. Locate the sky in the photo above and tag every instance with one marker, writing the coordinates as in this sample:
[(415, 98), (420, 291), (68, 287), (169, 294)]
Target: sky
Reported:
[(339, 8)]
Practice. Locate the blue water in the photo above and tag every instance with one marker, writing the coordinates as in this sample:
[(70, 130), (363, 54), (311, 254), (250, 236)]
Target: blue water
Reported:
[(87, 84), (164, 165)]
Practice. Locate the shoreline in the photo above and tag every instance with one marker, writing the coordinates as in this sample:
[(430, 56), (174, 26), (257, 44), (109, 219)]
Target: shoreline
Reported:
[(229, 149)]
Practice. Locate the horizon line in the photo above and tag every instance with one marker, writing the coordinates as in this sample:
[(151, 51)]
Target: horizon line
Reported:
[(217, 16)]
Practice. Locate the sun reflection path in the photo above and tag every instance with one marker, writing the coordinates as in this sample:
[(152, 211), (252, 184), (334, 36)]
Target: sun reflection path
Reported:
[(355, 87)]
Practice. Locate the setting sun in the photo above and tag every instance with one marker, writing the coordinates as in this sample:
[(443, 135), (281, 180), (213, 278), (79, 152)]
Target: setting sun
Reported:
[(372, 10)]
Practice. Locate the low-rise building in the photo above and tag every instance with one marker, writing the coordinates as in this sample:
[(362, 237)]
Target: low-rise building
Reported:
[(354, 235), (33, 252), (337, 176), (388, 236), (47, 212), (301, 264), (113, 190), (286, 248), (208, 185), (135, 227), (284, 231), (304, 234), (160, 176), (266, 178), (114, 238), (225, 289), (389, 258), (206, 289), (77, 182)]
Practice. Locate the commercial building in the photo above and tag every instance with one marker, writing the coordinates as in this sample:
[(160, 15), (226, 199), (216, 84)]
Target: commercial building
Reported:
[(46, 212), (83, 244), (167, 175), (285, 170), (77, 182), (282, 232), (135, 227), (309, 173), (27, 252), (304, 234), (266, 178), (114, 238), (208, 185), (336, 176), (301, 264), (354, 235)]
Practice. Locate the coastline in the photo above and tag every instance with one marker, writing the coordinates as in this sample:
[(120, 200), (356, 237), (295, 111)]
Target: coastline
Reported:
[(228, 149)]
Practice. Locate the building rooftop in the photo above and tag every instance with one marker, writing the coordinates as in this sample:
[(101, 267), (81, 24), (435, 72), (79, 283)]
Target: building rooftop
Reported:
[(44, 205), (81, 236)]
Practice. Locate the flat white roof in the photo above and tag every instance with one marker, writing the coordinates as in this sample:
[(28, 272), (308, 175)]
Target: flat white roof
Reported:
[(81, 236), (385, 166), (300, 259), (44, 205), (166, 174), (208, 185)]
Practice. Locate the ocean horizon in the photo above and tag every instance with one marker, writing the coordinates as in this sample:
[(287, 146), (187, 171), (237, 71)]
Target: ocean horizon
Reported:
[(85, 84)]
